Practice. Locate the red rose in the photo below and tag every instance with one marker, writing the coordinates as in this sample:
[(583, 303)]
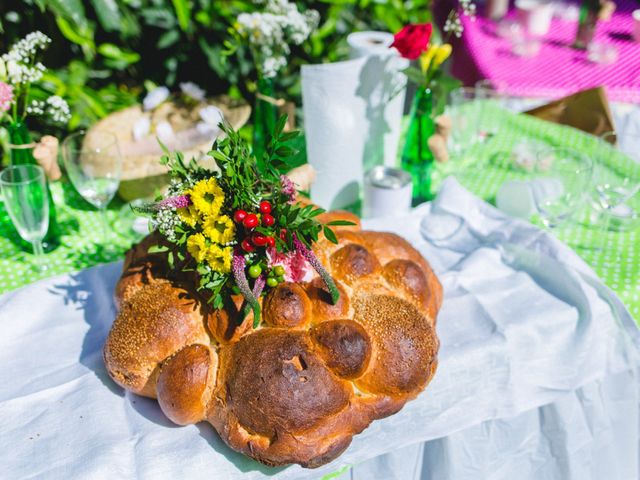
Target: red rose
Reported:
[(412, 40)]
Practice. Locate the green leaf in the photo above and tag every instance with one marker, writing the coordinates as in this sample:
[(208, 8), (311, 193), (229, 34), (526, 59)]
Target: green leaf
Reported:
[(71, 10), (282, 121), (284, 151), (108, 14), (183, 13), (170, 259), (157, 249), (344, 223), (330, 235), (414, 74), (122, 58), (167, 39), (82, 36)]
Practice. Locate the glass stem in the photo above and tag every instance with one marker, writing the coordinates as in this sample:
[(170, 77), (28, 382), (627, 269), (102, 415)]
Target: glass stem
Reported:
[(605, 216), (105, 224), (38, 253)]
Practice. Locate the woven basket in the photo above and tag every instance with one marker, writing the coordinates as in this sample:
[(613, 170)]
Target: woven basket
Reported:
[(142, 174)]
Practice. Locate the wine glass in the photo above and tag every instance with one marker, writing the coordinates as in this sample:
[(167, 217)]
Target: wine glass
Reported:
[(94, 164), (562, 177), (26, 199), (466, 110), (617, 180)]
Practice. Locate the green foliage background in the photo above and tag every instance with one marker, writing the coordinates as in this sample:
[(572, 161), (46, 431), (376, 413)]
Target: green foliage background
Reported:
[(106, 52)]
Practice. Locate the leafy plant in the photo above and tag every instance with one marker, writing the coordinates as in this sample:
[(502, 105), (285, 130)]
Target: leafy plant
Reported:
[(105, 51)]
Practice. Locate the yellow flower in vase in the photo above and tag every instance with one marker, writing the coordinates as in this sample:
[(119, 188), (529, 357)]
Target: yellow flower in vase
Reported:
[(189, 215), (426, 57), (444, 51), (219, 229), (219, 258), (197, 247), (207, 197)]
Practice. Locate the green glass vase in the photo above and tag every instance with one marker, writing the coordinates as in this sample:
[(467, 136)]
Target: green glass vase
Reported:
[(265, 116), (21, 153), (417, 158)]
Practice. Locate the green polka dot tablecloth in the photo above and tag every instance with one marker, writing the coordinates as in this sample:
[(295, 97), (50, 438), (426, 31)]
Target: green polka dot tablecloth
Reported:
[(614, 255), (82, 243)]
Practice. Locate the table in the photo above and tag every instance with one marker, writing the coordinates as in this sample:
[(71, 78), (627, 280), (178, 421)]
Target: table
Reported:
[(81, 242), (557, 70), (484, 180), (538, 369), (619, 264)]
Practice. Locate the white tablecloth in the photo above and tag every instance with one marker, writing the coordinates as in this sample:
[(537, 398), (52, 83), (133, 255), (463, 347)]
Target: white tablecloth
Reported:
[(537, 375)]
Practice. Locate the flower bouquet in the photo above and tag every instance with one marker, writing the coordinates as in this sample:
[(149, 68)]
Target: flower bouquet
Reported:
[(269, 35), (238, 226), (423, 142), (19, 71)]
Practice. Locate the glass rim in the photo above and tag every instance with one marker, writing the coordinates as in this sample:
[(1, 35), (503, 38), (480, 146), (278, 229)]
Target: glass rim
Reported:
[(66, 143), (574, 153), (36, 168)]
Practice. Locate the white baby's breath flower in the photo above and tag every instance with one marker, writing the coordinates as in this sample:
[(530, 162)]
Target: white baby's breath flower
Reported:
[(141, 128), (468, 8), (270, 32), (192, 90), (58, 109), (454, 25), (36, 107), (166, 221), (155, 97)]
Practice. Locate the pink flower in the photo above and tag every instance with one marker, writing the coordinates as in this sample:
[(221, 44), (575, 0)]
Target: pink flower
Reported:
[(6, 96), (296, 267), (181, 201), (288, 187)]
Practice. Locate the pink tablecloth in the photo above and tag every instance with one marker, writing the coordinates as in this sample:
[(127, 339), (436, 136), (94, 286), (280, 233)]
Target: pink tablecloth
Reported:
[(557, 70)]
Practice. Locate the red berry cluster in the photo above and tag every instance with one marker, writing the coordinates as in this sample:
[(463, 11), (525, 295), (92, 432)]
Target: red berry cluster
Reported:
[(250, 221)]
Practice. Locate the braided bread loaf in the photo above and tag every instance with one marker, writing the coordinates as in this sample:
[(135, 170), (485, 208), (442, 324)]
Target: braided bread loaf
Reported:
[(299, 387)]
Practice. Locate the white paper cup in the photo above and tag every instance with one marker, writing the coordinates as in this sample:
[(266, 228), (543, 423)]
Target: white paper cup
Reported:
[(387, 191), (636, 25), (535, 15)]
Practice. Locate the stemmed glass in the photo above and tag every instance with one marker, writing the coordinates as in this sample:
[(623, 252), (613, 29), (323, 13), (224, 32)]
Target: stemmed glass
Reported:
[(24, 189), (94, 164), (618, 178), (466, 110), (561, 183)]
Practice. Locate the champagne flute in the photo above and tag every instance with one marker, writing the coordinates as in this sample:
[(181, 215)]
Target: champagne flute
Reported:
[(94, 164), (26, 199), (562, 180)]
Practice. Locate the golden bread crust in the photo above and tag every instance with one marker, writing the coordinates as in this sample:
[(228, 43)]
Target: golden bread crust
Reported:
[(296, 389)]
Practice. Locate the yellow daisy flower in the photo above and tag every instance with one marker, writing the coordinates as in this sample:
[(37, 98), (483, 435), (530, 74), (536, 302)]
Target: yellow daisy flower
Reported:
[(207, 197), (219, 229), (189, 215), (219, 258), (197, 247)]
